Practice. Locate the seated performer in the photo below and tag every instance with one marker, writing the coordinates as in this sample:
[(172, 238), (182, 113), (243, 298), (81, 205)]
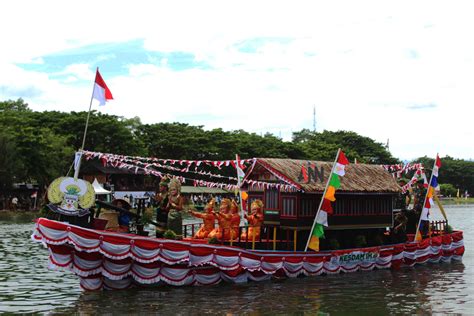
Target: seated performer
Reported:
[(208, 219), (174, 208), (235, 220), (223, 220), (255, 220)]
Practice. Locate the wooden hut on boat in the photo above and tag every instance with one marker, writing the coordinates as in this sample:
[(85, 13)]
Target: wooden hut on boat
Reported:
[(365, 200)]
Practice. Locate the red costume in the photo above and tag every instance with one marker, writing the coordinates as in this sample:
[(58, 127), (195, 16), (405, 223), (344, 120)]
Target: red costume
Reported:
[(208, 219), (223, 220), (255, 220), (234, 220)]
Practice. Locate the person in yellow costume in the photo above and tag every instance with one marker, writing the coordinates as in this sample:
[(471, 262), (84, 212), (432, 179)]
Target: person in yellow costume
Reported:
[(255, 220), (223, 220), (208, 219)]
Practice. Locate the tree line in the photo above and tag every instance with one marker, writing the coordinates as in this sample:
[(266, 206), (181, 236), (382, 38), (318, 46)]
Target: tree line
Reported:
[(37, 147)]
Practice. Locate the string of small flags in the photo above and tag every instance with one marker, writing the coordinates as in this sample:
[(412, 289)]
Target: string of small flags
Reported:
[(186, 169), (398, 169), (124, 162), (183, 162)]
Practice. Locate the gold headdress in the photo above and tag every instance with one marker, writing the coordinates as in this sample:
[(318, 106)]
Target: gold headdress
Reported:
[(258, 203), (225, 203), (211, 204), (164, 181), (234, 208), (175, 184)]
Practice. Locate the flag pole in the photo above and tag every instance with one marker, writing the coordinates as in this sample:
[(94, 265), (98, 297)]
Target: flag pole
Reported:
[(239, 184), (77, 163), (424, 201), (322, 198)]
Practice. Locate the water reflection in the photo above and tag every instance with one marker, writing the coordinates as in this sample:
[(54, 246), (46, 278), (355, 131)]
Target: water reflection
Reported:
[(27, 285), (432, 288)]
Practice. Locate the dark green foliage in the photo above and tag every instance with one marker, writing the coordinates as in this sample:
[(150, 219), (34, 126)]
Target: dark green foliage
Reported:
[(39, 146), (448, 189), (213, 241), (334, 244), (457, 172), (449, 229), (322, 146), (169, 234), (360, 241), (10, 168)]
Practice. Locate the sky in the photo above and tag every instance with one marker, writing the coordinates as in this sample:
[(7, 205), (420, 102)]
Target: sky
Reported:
[(396, 71)]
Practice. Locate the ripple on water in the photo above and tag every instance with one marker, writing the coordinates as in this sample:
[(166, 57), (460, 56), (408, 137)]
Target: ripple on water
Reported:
[(27, 285)]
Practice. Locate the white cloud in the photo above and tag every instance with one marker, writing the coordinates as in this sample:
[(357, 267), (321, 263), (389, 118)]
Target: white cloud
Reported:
[(365, 65)]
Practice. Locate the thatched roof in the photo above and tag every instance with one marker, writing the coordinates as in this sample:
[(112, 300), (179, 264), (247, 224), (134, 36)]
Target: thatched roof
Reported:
[(358, 177)]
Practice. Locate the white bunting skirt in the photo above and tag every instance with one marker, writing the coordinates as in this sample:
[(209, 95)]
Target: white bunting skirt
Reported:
[(107, 260)]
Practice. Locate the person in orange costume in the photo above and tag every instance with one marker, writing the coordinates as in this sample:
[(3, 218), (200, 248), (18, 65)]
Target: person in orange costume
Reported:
[(223, 220), (255, 220), (234, 220), (208, 219)]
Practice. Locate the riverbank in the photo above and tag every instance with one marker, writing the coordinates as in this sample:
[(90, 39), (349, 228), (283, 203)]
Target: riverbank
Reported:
[(451, 201)]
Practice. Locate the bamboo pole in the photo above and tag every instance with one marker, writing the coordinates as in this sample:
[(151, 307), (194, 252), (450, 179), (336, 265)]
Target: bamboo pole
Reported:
[(295, 235), (239, 184), (274, 237), (322, 198), (424, 201), (441, 208), (79, 156), (253, 238)]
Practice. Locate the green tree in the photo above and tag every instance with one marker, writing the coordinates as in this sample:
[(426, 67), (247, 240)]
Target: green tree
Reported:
[(448, 189), (323, 146), (458, 172), (10, 168), (18, 105)]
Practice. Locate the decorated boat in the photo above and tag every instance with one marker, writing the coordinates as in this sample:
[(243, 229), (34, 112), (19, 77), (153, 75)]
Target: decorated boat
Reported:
[(285, 224), (303, 230)]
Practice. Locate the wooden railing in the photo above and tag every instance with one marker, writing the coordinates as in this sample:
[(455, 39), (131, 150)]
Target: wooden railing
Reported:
[(438, 227), (271, 237)]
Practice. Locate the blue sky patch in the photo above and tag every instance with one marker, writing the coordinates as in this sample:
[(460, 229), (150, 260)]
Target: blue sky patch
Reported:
[(112, 58), (251, 46)]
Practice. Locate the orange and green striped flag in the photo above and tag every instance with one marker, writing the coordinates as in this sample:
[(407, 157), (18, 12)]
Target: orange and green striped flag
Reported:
[(325, 208)]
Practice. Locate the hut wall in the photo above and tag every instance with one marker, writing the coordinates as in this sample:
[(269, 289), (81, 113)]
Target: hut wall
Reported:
[(351, 210)]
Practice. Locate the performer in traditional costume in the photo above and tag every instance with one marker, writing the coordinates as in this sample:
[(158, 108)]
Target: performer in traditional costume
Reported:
[(255, 220), (161, 200), (174, 208), (223, 220), (235, 220), (208, 218)]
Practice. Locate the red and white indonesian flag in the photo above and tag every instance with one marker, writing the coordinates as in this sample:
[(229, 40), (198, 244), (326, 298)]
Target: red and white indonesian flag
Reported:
[(239, 166), (101, 91)]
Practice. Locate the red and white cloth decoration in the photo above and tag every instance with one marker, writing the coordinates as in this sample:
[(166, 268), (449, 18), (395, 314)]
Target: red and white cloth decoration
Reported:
[(101, 92), (107, 260), (145, 165)]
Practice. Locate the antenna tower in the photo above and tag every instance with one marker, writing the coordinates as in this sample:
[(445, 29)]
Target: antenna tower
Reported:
[(314, 118)]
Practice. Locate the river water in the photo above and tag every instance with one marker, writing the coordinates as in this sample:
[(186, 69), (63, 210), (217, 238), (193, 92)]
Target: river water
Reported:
[(26, 286)]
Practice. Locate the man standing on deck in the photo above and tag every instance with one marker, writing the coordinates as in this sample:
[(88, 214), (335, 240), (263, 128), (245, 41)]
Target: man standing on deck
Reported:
[(404, 199), (420, 193)]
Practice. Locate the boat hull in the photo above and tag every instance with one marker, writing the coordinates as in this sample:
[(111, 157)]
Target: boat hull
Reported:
[(107, 260)]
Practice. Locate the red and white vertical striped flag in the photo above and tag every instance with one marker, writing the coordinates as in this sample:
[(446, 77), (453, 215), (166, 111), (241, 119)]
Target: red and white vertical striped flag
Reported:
[(101, 91)]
